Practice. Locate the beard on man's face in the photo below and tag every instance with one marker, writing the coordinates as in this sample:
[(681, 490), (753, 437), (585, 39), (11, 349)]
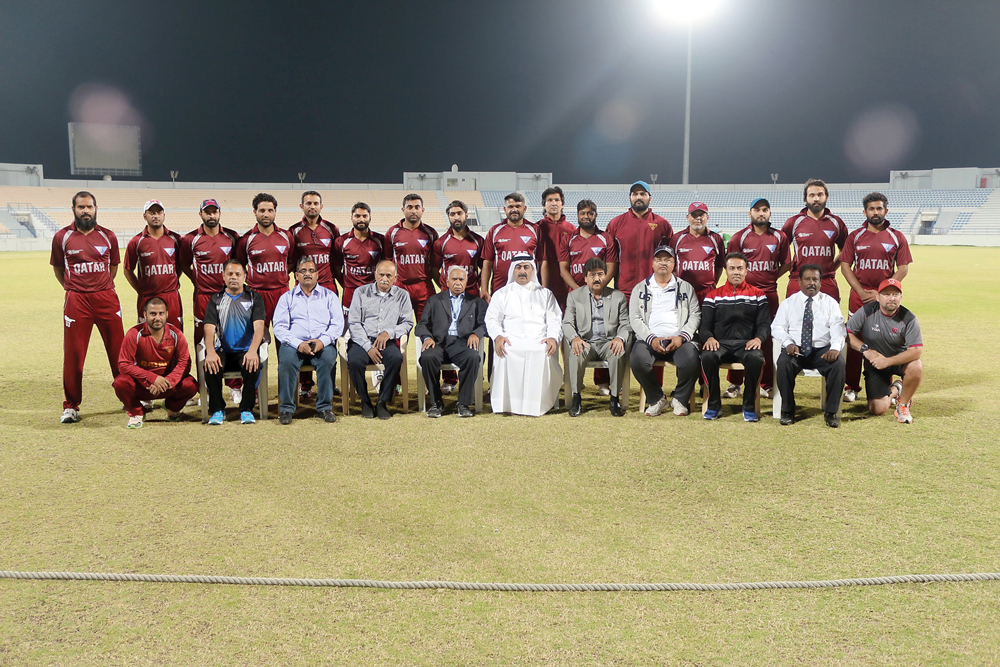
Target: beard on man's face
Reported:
[(86, 223)]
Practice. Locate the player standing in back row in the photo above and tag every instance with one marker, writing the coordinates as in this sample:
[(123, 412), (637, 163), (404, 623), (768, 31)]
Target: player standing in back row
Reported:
[(514, 236), (152, 259), (265, 250), (554, 232), (85, 259), (816, 234), (410, 244), (637, 233), (204, 252), (357, 253)]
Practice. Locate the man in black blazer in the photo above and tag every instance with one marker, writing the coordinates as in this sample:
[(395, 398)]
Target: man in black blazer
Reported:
[(453, 328)]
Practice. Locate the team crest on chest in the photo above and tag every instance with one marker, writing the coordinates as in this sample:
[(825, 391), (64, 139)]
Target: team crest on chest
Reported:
[(652, 225), (169, 251), (325, 242), (596, 251), (772, 248), (707, 248), (227, 249), (888, 247), (101, 248), (281, 248), (829, 233), (472, 252), (373, 253), (422, 242), (525, 238)]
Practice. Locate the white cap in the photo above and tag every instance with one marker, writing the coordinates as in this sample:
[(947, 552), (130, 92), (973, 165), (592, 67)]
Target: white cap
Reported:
[(151, 203)]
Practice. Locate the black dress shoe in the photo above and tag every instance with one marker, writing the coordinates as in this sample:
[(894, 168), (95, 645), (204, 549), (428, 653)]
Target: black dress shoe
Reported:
[(328, 416), (832, 420), (433, 412), (285, 418), (464, 411), (576, 406), (787, 420), (616, 407), (382, 411), (336, 391), (367, 411)]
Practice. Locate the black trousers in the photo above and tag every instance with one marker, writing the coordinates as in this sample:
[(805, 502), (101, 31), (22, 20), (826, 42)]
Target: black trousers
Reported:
[(456, 351), (685, 358), (833, 372), (358, 360), (231, 363), (753, 362)]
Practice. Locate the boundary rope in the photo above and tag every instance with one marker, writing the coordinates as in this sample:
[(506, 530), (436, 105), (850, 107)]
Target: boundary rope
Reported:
[(474, 586)]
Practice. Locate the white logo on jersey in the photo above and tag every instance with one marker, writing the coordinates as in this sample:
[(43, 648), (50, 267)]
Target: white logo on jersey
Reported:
[(707, 248), (888, 247), (422, 242), (325, 241), (119, 313), (829, 233), (169, 251), (597, 251), (227, 249), (247, 304), (101, 248), (772, 248), (526, 238), (69, 321), (399, 244), (472, 252), (373, 253), (281, 248)]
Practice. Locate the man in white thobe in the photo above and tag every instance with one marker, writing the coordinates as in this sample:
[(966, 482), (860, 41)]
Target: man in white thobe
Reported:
[(525, 323)]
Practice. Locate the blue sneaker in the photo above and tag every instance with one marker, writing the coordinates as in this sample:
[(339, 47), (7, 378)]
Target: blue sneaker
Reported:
[(247, 418), (710, 414), (750, 416), (217, 418)]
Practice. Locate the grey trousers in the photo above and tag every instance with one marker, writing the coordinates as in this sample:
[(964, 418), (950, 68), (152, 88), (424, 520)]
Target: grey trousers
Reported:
[(577, 364)]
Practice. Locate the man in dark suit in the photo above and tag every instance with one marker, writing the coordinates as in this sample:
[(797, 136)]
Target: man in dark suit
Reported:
[(596, 327), (452, 327)]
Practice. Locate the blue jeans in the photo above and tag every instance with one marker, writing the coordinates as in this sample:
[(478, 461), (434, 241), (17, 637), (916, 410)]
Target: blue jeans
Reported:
[(290, 360)]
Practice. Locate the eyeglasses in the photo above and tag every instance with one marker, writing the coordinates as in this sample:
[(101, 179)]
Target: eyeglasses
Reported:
[(307, 271)]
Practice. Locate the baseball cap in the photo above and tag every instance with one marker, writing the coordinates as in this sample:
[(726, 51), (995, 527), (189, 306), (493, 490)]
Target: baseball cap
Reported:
[(663, 248), (697, 206), (890, 282), (209, 202), (151, 203), (640, 184), (760, 200)]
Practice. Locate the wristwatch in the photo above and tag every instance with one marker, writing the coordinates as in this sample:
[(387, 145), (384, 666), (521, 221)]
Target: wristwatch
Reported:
[(864, 348)]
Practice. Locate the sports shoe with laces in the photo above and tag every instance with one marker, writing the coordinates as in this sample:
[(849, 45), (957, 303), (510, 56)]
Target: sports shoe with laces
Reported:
[(447, 388), (898, 386), (750, 416), (134, 421), (679, 408), (850, 396), (247, 418), (710, 414), (69, 416), (235, 395), (217, 418), (903, 415), (433, 411), (465, 411), (655, 409), (734, 391), (604, 389), (767, 392)]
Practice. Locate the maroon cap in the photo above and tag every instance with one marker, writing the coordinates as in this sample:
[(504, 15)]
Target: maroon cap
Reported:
[(890, 282), (209, 202), (697, 206)]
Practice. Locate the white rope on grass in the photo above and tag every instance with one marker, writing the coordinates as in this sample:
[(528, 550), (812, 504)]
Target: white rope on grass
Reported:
[(475, 586)]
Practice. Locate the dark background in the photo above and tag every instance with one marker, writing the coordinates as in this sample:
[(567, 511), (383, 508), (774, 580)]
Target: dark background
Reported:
[(591, 91)]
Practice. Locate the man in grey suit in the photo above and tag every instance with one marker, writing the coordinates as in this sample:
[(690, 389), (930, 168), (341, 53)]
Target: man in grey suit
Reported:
[(596, 327), (452, 326)]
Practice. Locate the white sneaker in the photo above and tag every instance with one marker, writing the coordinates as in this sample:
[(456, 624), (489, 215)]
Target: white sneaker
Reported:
[(305, 393), (850, 395), (604, 389), (898, 386), (235, 395), (69, 416), (194, 400), (134, 421), (448, 388), (679, 408), (147, 406), (767, 393), (377, 380), (656, 408), (734, 391)]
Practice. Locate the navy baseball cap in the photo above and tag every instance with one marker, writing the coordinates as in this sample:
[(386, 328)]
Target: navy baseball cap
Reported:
[(209, 202), (640, 184), (757, 202), (663, 248)]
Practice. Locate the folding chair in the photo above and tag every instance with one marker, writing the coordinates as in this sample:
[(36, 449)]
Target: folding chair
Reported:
[(345, 376), (261, 382)]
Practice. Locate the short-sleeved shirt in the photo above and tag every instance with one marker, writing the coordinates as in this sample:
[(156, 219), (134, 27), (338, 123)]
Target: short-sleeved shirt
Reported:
[(698, 258), (356, 260), (449, 250), (552, 236), (815, 241), (266, 257), (579, 248), (411, 250), (874, 256), (233, 318), (207, 256), (155, 261), (317, 245), (636, 238), (86, 258), (503, 242), (886, 335), (765, 253)]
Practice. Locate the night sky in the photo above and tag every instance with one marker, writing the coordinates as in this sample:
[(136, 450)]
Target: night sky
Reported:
[(591, 91)]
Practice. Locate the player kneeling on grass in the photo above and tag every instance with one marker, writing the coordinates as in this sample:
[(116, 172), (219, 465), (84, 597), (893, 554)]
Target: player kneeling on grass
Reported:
[(154, 363), (888, 337)]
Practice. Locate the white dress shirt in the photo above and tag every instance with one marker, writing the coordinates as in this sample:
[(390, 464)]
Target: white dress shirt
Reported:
[(828, 322)]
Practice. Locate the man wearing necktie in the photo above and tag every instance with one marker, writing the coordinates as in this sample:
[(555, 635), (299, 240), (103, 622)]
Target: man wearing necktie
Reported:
[(811, 330)]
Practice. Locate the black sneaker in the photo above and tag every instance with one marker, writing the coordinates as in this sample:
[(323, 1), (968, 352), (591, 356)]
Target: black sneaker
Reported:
[(328, 416), (464, 411), (336, 391), (367, 411), (382, 410), (285, 418), (433, 412), (832, 420), (576, 407), (616, 407), (787, 420)]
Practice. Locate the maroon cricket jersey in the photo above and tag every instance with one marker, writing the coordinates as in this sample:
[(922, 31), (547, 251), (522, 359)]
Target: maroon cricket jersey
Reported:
[(207, 256), (503, 242), (266, 257), (698, 258), (145, 359), (579, 248), (356, 260), (411, 250), (86, 258), (875, 256), (155, 261), (449, 251), (765, 254), (636, 238), (815, 241), (552, 236), (316, 244)]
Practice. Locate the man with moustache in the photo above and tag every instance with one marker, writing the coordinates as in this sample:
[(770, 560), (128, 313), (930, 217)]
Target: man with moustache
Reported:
[(872, 253), (585, 243), (85, 259), (265, 249), (636, 234), (204, 251), (553, 232), (699, 251), (152, 259), (596, 324), (409, 244), (769, 258), (357, 253), (811, 332), (816, 234), (514, 236)]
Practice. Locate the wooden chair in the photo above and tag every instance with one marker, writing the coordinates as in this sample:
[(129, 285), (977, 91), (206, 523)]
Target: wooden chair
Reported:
[(261, 383), (345, 376)]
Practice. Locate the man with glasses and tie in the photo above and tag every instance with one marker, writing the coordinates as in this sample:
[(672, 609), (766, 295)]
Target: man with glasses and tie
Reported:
[(811, 330)]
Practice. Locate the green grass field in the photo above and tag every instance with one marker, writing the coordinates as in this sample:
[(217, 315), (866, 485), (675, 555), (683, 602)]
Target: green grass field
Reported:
[(503, 499)]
